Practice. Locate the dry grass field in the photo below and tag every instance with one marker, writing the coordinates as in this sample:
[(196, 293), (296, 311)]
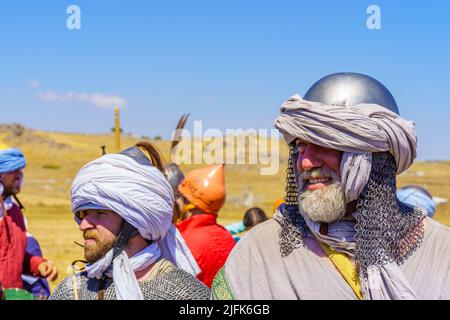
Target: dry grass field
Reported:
[(54, 159)]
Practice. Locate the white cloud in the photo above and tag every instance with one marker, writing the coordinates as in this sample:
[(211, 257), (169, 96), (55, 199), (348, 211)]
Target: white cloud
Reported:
[(34, 83), (96, 99)]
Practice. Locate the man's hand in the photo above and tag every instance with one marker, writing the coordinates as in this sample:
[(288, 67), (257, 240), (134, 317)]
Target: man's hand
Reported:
[(48, 270)]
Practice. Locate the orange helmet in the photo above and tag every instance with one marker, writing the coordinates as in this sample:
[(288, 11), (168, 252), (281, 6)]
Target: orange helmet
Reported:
[(205, 188)]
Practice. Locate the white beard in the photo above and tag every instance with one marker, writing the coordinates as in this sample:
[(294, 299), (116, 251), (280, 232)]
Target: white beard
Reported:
[(325, 205)]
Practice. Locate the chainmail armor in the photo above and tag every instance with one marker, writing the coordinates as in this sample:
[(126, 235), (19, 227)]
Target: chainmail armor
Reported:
[(386, 229), (292, 225), (173, 285), (292, 230)]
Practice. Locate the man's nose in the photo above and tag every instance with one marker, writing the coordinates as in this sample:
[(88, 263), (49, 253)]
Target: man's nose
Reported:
[(310, 159), (85, 224)]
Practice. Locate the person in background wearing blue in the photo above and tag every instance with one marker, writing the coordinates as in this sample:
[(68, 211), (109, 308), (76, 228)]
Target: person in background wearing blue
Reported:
[(252, 217), (417, 196), (37, 286)]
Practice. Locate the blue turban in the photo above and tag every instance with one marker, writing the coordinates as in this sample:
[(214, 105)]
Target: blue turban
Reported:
[(416, 198), (11, 160)]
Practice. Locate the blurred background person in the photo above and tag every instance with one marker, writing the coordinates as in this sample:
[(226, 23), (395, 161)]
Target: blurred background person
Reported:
[(15, 260), (252, 217), (37, 286), (417, 196), (203, 191)]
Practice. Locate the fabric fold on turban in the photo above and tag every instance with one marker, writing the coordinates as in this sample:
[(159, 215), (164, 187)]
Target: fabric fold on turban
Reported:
[(142, 196), (357, 131), (11, 159)]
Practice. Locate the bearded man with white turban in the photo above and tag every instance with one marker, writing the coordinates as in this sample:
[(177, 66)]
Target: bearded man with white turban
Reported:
[(123, 204), (342, 233)]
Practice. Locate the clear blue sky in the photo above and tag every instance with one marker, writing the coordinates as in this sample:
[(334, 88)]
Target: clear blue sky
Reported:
[(229, 63)]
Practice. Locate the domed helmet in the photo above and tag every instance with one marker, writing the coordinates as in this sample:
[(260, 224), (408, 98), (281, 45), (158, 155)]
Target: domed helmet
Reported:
[(348, 89), (343, 89), (205, 188)]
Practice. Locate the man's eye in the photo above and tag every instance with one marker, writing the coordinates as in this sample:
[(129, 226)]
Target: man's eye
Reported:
[(80, 215)]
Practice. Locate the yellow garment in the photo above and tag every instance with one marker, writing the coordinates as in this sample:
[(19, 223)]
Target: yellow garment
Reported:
[(184, 211), (187, 207), (345, 267)]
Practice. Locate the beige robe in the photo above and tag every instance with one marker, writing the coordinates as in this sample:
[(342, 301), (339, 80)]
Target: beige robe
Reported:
[(256, 270)]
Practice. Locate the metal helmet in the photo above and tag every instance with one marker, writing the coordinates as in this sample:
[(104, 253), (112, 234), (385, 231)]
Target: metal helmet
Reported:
[(348, 89), (174, 176)]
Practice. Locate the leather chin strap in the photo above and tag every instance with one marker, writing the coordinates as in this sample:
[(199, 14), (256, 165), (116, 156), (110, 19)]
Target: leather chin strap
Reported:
[(126, 233)]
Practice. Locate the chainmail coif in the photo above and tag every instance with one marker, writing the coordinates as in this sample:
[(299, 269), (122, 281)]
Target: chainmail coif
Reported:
[(386, 229), (293, 226)]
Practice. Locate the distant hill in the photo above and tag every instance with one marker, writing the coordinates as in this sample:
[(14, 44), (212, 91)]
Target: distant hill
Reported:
[(53, 159)]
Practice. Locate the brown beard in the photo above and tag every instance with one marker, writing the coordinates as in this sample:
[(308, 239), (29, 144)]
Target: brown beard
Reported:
[(11, 190), (93, 253)]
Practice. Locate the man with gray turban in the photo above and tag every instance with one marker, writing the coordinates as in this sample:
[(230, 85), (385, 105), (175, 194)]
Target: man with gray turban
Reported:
[(342, 233), (123, 204)]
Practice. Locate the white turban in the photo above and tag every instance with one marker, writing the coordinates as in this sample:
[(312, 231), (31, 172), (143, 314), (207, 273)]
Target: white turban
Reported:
[(142, 196), (357, 131)]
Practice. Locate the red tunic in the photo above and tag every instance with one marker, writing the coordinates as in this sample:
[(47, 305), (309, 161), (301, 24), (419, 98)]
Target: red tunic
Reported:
[(13, 259), (209, 243)]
